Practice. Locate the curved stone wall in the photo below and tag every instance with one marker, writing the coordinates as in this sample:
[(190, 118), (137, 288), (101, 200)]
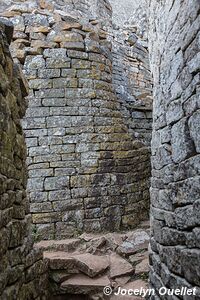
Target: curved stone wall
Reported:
[(86, 173), (23, 274), (131, 71), (133, 82), (175, 189)]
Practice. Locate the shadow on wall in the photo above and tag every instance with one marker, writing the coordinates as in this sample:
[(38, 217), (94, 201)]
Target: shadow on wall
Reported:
[(23, 274)]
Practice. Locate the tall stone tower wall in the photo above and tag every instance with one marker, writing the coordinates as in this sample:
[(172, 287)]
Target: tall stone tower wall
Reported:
[(86, 172), (131, 71), (23, 274), (175, 188)]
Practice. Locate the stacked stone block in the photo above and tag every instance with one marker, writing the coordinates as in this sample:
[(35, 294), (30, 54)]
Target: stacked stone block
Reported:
[(175, 241), (86, 173), (78, 8), (22, 271), (133, 82), (132, 79)]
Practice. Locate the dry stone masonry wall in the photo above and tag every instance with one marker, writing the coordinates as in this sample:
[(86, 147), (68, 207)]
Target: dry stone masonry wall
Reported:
[(22, 272), (86, 172), (132, 81), (131, 71), (175, 187), (78, 8)]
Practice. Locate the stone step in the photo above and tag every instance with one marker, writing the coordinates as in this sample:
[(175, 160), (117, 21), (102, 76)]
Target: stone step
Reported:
[(142, 267), (138, 257), (139, 285), (91, 265), (82, 284), (119, 266), (67, 245)]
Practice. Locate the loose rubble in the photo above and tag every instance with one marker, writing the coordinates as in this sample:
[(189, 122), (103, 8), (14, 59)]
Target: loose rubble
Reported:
[(92, 261)]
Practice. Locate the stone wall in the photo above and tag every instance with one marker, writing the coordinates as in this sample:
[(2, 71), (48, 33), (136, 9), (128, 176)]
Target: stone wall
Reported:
[(131, 71), (77, 8), (86, 172), (132, 81), (131, 12), (175, 187), (22, 271)]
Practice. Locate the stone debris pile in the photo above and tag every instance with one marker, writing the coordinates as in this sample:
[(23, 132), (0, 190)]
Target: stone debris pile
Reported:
[(84, 266)]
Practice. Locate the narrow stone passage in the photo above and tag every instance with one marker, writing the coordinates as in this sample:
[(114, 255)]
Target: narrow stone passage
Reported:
[(75, 133)]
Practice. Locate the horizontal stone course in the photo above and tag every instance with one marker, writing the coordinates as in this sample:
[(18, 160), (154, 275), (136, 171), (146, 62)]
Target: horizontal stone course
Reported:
[(21, 266), (83, 157)]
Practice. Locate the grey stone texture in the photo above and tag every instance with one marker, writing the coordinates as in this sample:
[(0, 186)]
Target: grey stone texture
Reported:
[(87, 171), (23, 273), (131, 12), (132, 81), (174, 51), (68, 8), (88, 129), (131, 71)]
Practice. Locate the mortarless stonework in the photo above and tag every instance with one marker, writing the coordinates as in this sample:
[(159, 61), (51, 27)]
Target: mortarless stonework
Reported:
[(23, 274), (132, 82), (175, 188), (131, 71), (86, 172)]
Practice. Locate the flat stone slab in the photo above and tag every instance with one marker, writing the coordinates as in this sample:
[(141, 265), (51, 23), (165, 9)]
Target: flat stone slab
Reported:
[(138, 257), (120, 281), (61, 261), (91, 265), (61, 245), (136, 242), (142, 267), (114, 240), (119, 266), (136, 284), (82, 284)]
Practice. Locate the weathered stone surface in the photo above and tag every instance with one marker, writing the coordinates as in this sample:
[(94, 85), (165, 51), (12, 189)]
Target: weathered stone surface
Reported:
[(174, 255), (68, 63), (194, 122), (132, 287), (81, 284), (92, 265), (119, 266), (20, 264), (182, 146), (142, 267), (88, 264), (60, 245), (135, 243)]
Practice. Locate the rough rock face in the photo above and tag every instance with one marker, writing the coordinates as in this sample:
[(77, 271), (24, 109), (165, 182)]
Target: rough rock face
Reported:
[(86, 172), (22, 271), (175, 189), (78, 8), (131, 12)]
